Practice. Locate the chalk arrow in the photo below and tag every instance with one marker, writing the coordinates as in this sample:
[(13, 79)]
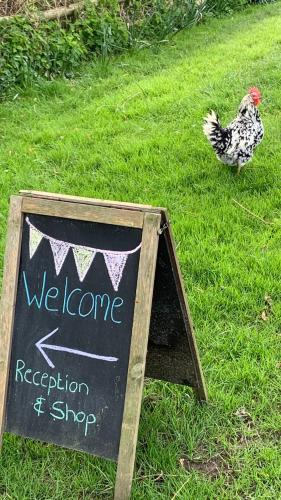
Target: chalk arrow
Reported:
[(41, 347)]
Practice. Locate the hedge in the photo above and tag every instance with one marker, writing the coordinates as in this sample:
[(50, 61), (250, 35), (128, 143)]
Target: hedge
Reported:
[(31, 49)]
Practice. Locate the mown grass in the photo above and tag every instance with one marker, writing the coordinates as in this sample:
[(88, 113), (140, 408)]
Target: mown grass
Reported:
[(130, 129)]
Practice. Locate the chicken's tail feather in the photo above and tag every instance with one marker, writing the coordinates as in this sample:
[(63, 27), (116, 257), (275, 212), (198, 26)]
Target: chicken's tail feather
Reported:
[(218, 136)]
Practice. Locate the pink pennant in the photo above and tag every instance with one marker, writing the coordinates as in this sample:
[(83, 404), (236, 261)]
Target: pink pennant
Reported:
[(115, 263), (60, 251)]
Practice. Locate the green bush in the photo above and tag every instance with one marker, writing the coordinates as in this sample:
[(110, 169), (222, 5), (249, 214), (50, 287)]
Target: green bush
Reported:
[(33, 49), (29, 51), (101, 29), (156, 19), (226, 6)]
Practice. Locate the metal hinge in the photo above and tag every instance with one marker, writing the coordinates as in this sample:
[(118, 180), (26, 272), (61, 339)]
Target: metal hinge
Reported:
[(162, 228)]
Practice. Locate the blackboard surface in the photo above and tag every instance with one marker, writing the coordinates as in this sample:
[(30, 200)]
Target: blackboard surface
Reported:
[(77, 305)]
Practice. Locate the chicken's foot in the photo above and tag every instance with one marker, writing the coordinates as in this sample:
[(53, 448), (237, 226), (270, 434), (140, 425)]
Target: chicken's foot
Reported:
[(239, 167)]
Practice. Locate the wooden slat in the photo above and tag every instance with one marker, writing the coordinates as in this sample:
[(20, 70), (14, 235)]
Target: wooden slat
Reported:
[(60, 12), (8, 298), (50, 14), (91, 201), (136, 369), (105, 215)]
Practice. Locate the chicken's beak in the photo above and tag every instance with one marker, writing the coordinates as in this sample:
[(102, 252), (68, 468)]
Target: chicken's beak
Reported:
[(256, 99)]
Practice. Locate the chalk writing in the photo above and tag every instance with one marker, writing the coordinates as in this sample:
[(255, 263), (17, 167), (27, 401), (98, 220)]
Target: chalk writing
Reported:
[(61, 411), (73, 302), (48, 382), (38, 405)]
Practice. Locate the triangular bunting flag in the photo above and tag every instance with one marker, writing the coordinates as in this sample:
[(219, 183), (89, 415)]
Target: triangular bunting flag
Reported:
[(60, 250), (115, 263), (35, 237), (83, 260)]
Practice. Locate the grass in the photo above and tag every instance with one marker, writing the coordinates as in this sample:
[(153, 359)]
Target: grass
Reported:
[(130, 129)]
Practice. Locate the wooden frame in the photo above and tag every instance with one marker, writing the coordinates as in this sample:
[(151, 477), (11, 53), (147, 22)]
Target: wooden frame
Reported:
[(136, 369), (150, 220), (91, 213), (11, 264)]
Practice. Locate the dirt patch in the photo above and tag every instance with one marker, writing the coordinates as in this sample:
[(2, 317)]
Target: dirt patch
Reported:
[(212, 467), (245, 417), (267, 310)]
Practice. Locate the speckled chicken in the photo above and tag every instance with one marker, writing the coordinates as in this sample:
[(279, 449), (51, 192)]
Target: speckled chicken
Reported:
[(235, 144)]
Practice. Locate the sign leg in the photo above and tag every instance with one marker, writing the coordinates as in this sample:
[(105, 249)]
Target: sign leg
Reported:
[(8, 299), (136, 369)]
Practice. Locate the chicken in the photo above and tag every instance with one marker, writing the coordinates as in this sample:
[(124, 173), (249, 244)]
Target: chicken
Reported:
[(235, 144)]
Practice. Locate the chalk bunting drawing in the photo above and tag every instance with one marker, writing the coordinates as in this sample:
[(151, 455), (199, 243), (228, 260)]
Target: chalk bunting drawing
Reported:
[(115, 261)]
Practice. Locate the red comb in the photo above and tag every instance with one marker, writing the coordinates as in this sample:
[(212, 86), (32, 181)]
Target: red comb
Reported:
[(254, 91), (255, 95)]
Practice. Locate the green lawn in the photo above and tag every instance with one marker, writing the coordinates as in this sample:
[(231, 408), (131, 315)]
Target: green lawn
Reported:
[(131, 130)]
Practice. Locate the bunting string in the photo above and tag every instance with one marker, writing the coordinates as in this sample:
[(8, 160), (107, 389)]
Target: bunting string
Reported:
[(115, 261)]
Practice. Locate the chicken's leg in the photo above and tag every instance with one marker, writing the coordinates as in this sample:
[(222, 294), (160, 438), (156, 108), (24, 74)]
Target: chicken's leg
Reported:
[(239, 167)]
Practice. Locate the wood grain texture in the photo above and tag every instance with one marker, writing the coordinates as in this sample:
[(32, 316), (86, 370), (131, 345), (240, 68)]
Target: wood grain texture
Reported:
[(8, 298), (136, 369), (91, 201), (92, 213)]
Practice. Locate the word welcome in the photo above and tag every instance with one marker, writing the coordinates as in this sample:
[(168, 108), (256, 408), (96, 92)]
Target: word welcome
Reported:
[(29, 376), (73, 301)]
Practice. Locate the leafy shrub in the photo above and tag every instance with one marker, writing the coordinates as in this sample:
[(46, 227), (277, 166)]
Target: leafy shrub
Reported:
[(28, 52), (33, 49), (101, 29), (30, 49), (155, 19), (225, 6)]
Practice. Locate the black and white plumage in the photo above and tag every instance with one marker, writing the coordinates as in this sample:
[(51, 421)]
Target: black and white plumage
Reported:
[(235, 144)]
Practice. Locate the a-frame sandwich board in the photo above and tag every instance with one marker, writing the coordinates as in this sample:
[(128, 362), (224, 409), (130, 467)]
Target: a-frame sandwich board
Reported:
[(162, 348)]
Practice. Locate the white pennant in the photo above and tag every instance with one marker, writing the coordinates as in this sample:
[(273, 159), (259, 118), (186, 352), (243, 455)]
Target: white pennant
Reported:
[(35, 237), (115, 263), (60, 251), (83, 260)]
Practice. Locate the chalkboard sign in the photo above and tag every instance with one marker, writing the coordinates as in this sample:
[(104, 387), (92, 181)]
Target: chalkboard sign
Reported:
[(76, 340), (72, 332)]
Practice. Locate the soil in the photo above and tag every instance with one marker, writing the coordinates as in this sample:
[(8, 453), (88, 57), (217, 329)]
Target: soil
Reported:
[(212, 467)]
